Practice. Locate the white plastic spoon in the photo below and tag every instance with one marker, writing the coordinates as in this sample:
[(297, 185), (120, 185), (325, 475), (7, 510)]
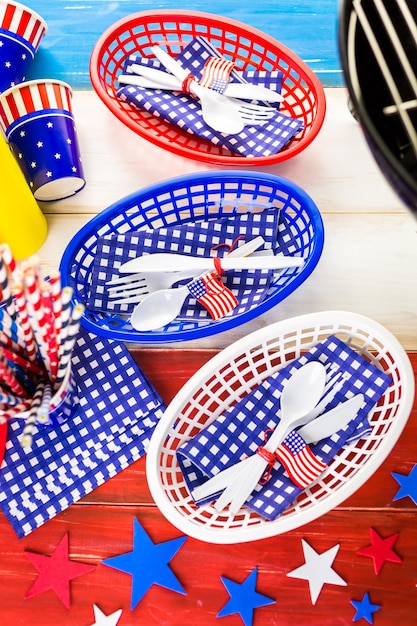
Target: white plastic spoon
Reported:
[(301, 393), (158, 308)]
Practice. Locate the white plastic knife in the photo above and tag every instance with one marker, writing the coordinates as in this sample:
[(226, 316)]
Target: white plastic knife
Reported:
[(331, 421), (327, 424), (157, 79), (166, 262)]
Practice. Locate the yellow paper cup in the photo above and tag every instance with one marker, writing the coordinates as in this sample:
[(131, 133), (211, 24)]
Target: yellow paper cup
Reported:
[(23, 226)]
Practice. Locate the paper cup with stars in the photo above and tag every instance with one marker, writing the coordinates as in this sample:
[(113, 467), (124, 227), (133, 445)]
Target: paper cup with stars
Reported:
[(21, 31), (38, 122)]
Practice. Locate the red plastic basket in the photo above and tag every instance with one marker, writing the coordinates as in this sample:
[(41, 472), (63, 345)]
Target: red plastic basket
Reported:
[(249, 48)]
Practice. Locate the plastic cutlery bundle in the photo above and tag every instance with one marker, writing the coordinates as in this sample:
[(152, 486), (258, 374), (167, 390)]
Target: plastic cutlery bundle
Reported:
[(221, 113), (156, 79), (266, 129), (132, 288)]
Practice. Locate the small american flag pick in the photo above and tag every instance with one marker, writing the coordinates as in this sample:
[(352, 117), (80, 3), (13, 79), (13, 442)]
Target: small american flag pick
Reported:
[(209, 290), (216, 74), (301, 464)]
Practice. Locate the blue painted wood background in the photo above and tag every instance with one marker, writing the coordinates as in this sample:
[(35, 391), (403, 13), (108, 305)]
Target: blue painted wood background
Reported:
[(308, 27)]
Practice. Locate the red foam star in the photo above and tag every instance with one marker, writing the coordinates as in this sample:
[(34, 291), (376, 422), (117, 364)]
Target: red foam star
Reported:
[(380, 550), (56, 572)]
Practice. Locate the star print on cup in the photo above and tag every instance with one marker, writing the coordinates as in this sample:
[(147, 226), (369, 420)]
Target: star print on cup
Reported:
[(37, 119)]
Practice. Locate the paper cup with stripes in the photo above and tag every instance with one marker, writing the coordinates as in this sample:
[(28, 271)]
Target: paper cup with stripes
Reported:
[(37, 119), (64, 402), (21, 31)]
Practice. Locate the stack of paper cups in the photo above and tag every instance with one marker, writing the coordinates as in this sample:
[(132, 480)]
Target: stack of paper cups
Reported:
[(21, 31)]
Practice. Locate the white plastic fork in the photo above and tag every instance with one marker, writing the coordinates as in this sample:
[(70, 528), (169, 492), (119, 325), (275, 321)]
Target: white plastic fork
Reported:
[(132, 288), (221, 113)]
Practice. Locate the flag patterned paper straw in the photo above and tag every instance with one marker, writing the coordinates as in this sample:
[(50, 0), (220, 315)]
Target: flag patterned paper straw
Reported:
[(6, 295), (29, 366), (72, 332), (9, 399), (35, 302), (9, 260), (65, 317), (48, 329), (16, 411), (10, 336), (6, 374), (36, 345), (43, 411), (56, 289), (24, 321), (30, 424)]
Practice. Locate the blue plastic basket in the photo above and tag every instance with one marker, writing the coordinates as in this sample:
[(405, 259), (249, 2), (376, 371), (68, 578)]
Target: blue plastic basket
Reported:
[(190, 198)]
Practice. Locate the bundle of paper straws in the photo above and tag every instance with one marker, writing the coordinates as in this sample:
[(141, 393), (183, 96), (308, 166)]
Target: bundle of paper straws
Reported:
[(38, 330)]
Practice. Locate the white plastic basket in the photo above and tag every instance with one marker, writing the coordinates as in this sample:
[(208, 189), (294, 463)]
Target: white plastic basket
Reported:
[(230, 375)]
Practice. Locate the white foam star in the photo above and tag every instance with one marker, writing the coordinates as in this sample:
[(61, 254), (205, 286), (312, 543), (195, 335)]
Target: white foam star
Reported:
[(40, 144), (105, 620), (317, 569)]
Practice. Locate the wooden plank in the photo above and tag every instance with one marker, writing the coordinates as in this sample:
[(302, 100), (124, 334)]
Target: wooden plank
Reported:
[(96, 533), (131, 486), (355, 274), (73, 32), (337, 170), (101, 526)]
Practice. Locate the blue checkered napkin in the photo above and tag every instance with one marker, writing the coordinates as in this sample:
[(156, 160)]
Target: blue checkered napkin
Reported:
[(118, 411), (194, 238), (185, 112), (241, 430)]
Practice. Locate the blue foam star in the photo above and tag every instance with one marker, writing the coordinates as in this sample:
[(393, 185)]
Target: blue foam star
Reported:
[(243, 598), (148, 564), (365, 609), (408, 485)]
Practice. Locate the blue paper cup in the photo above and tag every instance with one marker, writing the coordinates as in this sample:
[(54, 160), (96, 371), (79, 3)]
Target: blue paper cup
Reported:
[(37, 120), (21, 31)]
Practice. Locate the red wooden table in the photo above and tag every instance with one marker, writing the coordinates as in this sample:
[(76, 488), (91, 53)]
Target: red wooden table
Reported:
[(100, 526)]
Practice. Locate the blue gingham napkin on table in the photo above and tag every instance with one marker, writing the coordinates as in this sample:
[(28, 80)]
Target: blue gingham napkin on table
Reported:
[(198, 239), (241, 429), (117, 413), (184, 111)]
